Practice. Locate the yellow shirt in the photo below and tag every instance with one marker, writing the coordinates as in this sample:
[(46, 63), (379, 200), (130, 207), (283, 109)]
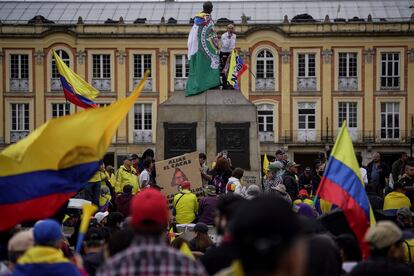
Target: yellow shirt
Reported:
[(306, 201), (395, 201), (124, 177), (186, 208)]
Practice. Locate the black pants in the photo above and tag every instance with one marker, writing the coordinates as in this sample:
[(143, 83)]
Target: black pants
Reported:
[(223, 76)]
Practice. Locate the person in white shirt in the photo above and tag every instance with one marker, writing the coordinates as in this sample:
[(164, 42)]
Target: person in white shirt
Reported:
[(145, 175), (362, 169), (228, 43)]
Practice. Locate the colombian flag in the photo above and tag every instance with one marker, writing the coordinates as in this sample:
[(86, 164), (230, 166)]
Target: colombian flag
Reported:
[(342, 185), (236, 69), (76, 89), (41, 172)]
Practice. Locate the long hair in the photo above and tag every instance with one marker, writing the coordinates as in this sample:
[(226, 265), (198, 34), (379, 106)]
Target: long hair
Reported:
[(222, 164), (202, 242)]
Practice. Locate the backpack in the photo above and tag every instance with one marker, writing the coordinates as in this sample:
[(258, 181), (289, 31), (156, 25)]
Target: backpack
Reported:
[(218, 182)]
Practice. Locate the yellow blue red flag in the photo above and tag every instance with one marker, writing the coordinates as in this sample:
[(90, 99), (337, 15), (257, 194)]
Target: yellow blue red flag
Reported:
[(76, 89), (343, 186), (41, 172), (236, 69)]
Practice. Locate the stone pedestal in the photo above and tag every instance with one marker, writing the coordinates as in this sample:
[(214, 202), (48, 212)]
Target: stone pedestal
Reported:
[(210, 122)]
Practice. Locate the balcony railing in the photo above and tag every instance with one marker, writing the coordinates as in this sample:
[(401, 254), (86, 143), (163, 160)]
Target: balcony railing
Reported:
[(19, 84), (142, 136), (347, 83), (357, 136), (16, 135), (179, 84), (265, 84), (306, 84), (266, 136), (102, 84), (148, 84)]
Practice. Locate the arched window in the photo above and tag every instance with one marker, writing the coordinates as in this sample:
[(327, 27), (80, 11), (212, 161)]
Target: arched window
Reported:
[(55, 84), (266, 122), (265, 70)]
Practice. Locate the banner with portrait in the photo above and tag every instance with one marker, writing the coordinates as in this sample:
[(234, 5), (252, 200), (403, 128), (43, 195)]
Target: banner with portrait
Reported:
[(172, 172)]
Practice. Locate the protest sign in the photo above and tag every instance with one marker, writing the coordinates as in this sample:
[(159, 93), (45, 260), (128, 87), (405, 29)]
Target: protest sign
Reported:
[(172, 172)]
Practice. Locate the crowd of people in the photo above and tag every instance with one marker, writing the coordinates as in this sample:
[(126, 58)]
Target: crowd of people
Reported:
[(272, 228)]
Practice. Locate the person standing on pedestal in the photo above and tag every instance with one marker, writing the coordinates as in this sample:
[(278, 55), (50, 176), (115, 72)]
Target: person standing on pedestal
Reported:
[(203, 56), (228, 43)]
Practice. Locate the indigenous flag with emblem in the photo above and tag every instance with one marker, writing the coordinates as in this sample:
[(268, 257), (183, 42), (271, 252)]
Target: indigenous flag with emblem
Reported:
[(203, 56), (343, 186), (41, 172), (76, 89), (236, 69)]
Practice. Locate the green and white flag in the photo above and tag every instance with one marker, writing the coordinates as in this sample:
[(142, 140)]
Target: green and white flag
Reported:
[(203, 56)]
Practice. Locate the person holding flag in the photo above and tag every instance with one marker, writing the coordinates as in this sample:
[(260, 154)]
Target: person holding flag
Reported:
[(343, 186), (236, 68)]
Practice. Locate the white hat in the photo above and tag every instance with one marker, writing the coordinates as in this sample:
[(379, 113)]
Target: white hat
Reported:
[(100, 216)]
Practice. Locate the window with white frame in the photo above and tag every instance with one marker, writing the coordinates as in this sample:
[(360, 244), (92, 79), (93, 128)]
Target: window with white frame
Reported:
[(348, 111), (60, 109), (265, 79), (19, 121), (390, 120), (55, 81), (142, 63), (143, 123), (19, 72), (390, 70), (307, 116), (103, 104), (306, 80), (181, 72), (266, 121), (347, 70), (306, 65), (101, 71)]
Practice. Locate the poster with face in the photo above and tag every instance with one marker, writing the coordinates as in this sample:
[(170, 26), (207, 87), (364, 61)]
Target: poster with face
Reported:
[(171, 173)]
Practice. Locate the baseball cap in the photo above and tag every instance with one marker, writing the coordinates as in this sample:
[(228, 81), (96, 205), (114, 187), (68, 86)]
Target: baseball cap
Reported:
[(200, 227), (47, 231), (186, 185), (149, 207), (383, 234), (303, 192), (100, 216), (21, 241), (404, 212), (292, 164)]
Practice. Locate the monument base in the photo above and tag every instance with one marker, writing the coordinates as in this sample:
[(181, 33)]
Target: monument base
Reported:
[(210, 122)]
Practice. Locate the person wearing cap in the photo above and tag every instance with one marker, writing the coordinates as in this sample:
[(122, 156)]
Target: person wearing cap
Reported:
[(207, 206), (280, 191), (101, 218), (305, 180), (93, 187), (185, 204), (18, 245), (104, 199), (149, 253), (303, 197), (201, 242), (126, 175), (273, 176), (396, 199), (404, 218), (290, 179), (385, 240), (267, 234), (45, 257), (134, 163)]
